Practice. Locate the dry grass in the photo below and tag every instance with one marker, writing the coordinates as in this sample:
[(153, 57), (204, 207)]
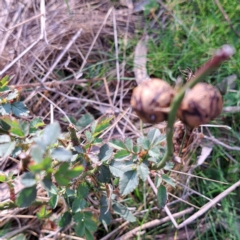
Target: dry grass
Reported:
[(57, 63)]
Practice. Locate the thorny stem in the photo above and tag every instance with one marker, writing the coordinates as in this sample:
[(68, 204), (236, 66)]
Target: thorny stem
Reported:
[(220, 56)]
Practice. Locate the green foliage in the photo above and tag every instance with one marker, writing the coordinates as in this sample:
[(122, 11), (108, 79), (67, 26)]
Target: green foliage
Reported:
[(27, 196), (62, 171), (162, 196), (43, 212), (9, 103), (85, 224)]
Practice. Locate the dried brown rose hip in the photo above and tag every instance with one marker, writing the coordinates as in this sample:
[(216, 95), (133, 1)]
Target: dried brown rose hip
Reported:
[(200, 105), (150, 100)]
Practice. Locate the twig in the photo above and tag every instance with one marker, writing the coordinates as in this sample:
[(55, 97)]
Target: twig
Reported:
[(15, 232), (221, 55), (153, 223), (56, 106), (186, 188), (19, 56), (95, 39), (114, 231), (21, 23), (216, 141), (60, 56), (191, 175), (182, 200), (116, 54), (201, 211), (42, 34), (52, 83), (210, 204)]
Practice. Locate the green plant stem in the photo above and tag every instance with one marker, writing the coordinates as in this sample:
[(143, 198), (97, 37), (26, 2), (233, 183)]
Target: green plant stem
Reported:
[(221, 55), (89, 173), (73, 135)]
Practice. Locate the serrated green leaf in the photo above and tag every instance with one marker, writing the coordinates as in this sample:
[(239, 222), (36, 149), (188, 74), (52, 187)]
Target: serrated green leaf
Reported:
[(117, 144), (19, 109), (122, 154), (104, 175), (86, 220), (60, 175), (27, 196), (129, 144), (37, 152), (90, 222), (6, 149), (154, 160), (159, 139), (82, 190), (28, 179), (105, 215), (74, 172), (78, 217), (51, 133), (143, 171), (118, 168), (144, 143), (78, 149), (45, 164), (19, 128), (65, 219), (154, 152), (102, 125), (61, 154), (153, 134), (88, 235), (97, 141), (4, 81), (53, 201), (162, 196), (78, 204), (4, 125), (84, 121), (128, 182), (43, 212), (105, 153), (24, 125), (35, 124), (136, 149), (89, 136), (93, 126), (5, 109), (80, 229), (123, 212), (168, 166), (168, 180), (2, 177), (70, 193), (48, 185), (61, 179)]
